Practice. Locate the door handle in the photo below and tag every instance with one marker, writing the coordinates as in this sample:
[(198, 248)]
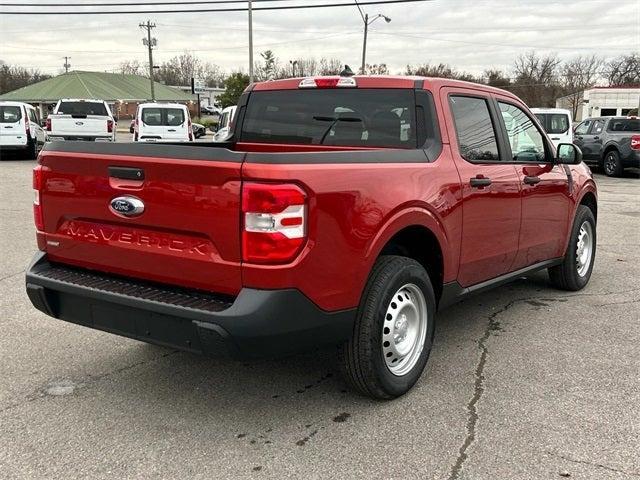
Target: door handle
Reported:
[(530, 180), (171, 130), (480, 182), (126, 173), (596, 138)]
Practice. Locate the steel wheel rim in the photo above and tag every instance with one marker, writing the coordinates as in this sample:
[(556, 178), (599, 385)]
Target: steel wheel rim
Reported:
[(610, 164), (584, 248), (404, 329)]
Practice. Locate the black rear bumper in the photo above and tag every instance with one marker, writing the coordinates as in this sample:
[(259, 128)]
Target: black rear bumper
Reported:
[(256, 323)]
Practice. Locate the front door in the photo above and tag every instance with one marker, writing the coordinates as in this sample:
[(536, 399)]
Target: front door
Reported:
[(588, 139), (491, 188), (544, 187)]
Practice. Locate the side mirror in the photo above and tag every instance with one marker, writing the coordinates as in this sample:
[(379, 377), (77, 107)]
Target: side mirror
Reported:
[(43, 122), (568, 154), (115, 119), (131, 130)]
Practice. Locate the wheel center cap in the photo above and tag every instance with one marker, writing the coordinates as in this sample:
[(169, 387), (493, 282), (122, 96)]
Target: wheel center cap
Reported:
[(401, 327)]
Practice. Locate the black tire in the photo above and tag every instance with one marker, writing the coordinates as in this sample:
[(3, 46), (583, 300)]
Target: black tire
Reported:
[(361, 358), (31, 152), (612, 165), (566, 276)]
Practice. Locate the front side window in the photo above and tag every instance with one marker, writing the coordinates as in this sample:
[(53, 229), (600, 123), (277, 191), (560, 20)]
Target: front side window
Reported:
[(526, 141), (346, 117), (583, 128), (476, 134), (10, 113)]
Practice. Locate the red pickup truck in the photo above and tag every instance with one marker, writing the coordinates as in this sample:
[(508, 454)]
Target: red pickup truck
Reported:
[(343, 211)]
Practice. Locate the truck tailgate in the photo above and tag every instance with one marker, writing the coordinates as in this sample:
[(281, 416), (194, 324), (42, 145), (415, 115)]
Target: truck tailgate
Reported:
[(89, 126), (188, 233)]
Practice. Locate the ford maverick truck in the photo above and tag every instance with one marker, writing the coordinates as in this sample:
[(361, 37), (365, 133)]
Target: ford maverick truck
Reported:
[(341, 212)]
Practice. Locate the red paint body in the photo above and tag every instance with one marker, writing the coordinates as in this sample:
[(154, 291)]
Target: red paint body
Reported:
[(190, 232)]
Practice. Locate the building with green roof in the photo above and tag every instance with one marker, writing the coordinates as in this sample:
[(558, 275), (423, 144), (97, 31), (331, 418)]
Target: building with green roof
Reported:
[(121, 91)]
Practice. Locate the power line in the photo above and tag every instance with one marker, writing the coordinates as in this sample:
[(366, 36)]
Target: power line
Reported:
[(130, 4), (207, 10)]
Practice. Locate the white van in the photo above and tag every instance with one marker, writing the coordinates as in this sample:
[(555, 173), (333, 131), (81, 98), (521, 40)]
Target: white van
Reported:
[(20, 129), (224, 125), (162, 122), (557, 122)]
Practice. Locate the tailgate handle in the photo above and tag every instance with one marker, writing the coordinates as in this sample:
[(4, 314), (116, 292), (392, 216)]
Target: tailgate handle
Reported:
[(126, 173)]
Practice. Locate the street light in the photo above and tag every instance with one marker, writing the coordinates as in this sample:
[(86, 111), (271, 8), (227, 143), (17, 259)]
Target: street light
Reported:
[(367, 22)]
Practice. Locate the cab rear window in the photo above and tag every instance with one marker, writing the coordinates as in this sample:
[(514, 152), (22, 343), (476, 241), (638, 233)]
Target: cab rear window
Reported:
[(82, 108), (10, 113), (342, 117)]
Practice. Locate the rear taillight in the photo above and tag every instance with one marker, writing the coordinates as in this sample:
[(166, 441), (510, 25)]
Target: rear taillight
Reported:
[(109, 126), (47, 124), (635, 142), (37, 208), (274, 222)]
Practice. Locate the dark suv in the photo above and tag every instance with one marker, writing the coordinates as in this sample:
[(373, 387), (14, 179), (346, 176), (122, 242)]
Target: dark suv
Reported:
[(612, 143)]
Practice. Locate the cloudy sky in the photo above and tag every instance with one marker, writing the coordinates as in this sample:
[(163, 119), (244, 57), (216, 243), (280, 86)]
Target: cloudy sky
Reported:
[(471, 35)]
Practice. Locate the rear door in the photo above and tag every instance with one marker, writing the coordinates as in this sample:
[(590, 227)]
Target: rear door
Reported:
[(187, 233), (491, 187), (544, 186), (558, 126), (12, 127), (175, 120)]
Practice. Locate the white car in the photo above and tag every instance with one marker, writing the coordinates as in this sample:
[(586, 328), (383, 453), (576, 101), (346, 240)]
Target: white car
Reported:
[(81, 119), (557, 122), (225, 124), (20, 129), (162, 122)]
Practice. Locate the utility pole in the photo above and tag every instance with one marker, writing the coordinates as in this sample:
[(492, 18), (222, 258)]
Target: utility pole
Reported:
[(249, 9), (367, 22), (66, 65), (150, 43)]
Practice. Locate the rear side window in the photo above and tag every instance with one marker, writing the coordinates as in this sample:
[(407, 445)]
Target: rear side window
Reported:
[(624, 125), (10, 113), (347, 117), (82, 108), (555, 123), (167, 117), (474, 128)]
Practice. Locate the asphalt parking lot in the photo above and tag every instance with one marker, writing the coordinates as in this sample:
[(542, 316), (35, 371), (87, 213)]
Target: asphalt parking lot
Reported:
[(524, 382)]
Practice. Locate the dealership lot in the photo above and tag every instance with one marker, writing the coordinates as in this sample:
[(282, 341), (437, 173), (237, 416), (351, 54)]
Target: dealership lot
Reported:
[(523, 382)]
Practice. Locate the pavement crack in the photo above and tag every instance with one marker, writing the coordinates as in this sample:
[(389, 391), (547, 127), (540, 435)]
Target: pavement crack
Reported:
[(7, 277), (625, 302), (88, 380), (594, 464), (479, 387)]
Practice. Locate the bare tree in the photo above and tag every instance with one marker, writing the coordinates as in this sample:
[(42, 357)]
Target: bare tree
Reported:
[(624, 71), (13, 77), (577, 75), (376, 69), (441, 70), (496, 78), (180, 69), (536, 79), (133, 67)]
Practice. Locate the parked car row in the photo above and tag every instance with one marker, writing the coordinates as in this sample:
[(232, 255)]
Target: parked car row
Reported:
[(609, 143)]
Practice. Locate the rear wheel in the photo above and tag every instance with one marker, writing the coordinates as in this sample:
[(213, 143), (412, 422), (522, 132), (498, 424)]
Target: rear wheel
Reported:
[(575, 270), (394, 329), (612, 164)]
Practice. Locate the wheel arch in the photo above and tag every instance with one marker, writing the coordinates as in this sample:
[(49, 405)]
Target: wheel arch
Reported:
[(419, 235)]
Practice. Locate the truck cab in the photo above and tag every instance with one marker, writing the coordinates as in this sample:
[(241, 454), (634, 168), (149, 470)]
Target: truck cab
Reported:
[(341, 211)]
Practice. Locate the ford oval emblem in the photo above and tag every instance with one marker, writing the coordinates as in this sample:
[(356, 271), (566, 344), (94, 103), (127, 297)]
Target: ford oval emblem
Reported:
[(127, 206)]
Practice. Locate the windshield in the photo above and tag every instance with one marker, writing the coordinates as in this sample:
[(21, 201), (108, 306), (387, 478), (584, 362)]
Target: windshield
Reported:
[(554, 122), (83, 108), (345, 117), (10, 113), (624, 125)]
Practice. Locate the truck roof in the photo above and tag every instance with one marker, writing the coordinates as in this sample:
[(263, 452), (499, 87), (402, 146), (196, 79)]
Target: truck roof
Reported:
[(92, 100), (381, 81)]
